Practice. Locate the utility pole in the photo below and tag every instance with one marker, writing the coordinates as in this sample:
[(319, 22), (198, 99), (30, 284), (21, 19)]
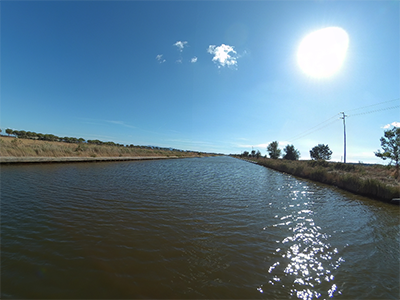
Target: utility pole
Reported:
[(344, 128)]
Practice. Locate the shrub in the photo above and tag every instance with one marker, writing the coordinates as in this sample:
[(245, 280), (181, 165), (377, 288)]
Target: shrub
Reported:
[(282, 167), (299, 170), (318, 163), (319, 174), (344, 167), (16, 142)]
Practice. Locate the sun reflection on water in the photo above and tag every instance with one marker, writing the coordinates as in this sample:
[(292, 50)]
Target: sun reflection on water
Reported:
[(305, 261)]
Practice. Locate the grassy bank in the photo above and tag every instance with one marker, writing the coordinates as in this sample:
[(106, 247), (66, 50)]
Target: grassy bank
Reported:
[(375, 181), (14, 147)]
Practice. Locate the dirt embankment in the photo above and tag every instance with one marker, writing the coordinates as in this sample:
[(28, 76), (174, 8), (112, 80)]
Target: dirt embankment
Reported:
[(26, 150)]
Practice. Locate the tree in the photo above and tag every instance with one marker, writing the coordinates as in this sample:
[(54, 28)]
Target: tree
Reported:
[(321, 152), (258, 154), (291, 153), (390, 144), (9, 131), (253, 153), (273, 150), (31, 135), (245, 154)]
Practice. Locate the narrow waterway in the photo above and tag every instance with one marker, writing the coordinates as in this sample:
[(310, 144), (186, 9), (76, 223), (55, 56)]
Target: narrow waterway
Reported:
[(213, 227)]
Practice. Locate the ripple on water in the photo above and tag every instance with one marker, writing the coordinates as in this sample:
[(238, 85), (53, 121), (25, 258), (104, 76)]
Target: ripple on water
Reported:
[(305, 262), (191, 228)]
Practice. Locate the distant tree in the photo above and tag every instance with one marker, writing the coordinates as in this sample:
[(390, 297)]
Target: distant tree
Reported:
[(390, 144), (253, 153), (321, 151), (31, 135), (291, 153), (51, 137), (258, 154), (9, 131), (21, 134), (273, 150), (81, 140), (245, 154), (96, 142), (69, 139)]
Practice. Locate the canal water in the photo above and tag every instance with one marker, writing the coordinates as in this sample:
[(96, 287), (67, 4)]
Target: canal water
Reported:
[(214, 227)]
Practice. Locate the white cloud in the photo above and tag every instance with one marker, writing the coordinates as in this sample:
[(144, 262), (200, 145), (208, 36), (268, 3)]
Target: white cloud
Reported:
[(160, 59), (224, 55), (395, 124), (193, 60), (180, 45)]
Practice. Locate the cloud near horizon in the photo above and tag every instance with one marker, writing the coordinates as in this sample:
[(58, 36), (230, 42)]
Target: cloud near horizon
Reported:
[(395, 124), (224, 55), (281, 145)]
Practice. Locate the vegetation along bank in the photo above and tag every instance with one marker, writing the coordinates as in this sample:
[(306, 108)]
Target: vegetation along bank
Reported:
[(374, 181), (49, 148)]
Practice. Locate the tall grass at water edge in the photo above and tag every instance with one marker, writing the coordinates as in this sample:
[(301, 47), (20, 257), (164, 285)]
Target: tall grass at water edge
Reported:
[(375, 181)]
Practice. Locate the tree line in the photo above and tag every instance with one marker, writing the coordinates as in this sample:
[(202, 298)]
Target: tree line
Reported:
[(22, 134), (319, 152), (390, 144)]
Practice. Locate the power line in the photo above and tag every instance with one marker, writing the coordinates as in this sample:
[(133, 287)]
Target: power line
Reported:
[(314, 128), (383, 102), (373, 111), (334, 118)]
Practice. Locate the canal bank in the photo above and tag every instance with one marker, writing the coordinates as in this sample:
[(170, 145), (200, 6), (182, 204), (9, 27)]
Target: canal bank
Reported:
[(373, 181), (28, 160)]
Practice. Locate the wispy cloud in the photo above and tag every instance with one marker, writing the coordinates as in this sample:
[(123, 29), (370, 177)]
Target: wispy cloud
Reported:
[(395, 124), (223, 55), (281, 144), (193, 60), (194, 145), (160, 58), (120, 123), (180, 45), (257, 146)]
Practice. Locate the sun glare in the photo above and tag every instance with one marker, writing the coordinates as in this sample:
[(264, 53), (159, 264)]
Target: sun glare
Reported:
[(322, 52)]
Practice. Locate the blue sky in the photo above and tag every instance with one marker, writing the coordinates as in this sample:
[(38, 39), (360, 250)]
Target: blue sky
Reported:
[(155, 73)]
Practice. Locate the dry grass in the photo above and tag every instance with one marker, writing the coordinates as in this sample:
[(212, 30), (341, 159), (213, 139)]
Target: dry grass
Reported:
[(376, 181), (15, 147)]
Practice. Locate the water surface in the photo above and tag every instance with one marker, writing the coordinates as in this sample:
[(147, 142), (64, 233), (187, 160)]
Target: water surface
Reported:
[(190, 228)]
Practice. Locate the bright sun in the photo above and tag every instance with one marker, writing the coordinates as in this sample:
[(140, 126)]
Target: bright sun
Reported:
[(322, 52)]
